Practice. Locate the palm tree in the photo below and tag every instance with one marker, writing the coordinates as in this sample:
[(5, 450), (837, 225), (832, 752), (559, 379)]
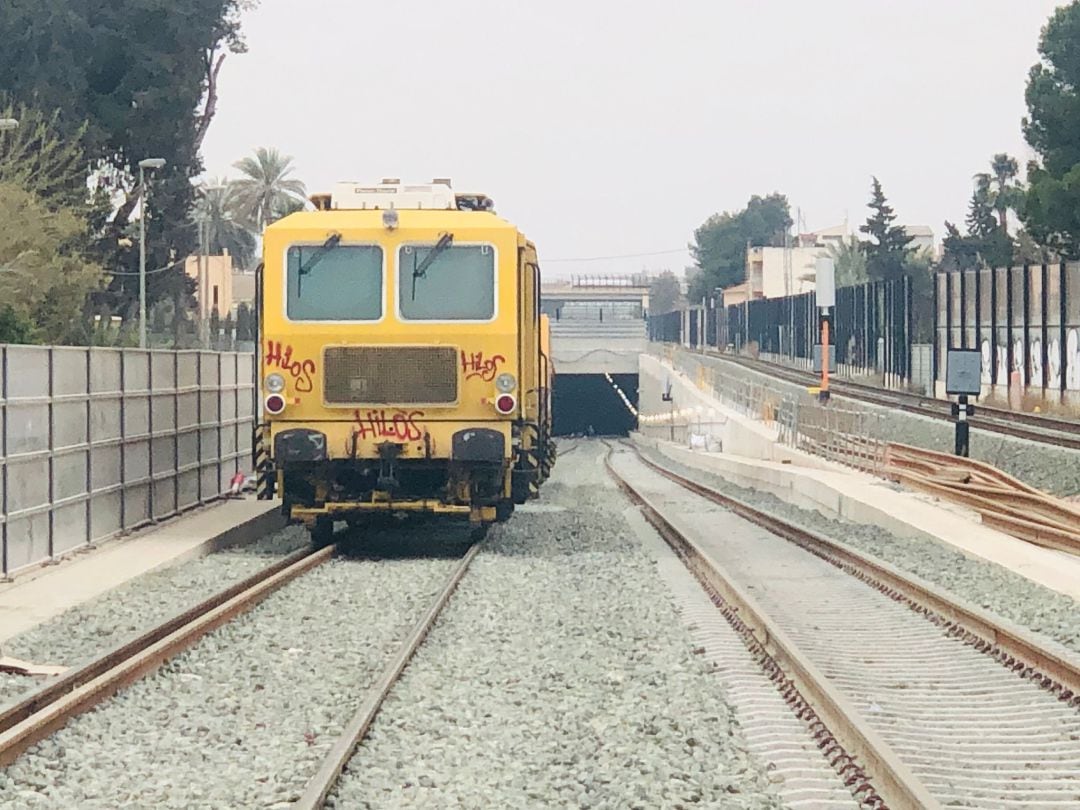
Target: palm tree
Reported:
[(849, 262), (217, 208), (266, 189), (1004, 193)]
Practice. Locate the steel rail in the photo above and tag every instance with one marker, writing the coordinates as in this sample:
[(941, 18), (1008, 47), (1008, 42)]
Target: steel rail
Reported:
[(1016, 647), (49, 709), (880, 778), (1018, 424), (337, 758), (72, 679)]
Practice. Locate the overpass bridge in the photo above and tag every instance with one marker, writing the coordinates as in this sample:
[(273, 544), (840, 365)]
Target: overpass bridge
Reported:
[(597, 323), (598, 332)]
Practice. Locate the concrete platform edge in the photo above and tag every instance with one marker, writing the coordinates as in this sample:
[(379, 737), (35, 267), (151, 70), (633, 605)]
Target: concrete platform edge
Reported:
[(238, 535)]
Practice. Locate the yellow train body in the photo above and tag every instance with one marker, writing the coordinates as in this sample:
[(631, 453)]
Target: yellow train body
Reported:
[(404, 363)]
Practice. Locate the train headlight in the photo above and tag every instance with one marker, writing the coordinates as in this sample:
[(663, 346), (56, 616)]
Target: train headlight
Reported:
[(274, 383), (275, 404), (505, 383), (505, 404)]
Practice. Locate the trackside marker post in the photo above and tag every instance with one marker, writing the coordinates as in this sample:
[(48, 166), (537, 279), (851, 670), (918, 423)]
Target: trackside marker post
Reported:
[(963, 379), (825, 288)]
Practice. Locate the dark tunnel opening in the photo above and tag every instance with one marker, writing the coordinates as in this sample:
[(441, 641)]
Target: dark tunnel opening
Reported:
[(583, 400)]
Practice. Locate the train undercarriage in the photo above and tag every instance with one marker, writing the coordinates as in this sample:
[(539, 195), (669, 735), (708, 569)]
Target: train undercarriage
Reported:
[(318, 493)]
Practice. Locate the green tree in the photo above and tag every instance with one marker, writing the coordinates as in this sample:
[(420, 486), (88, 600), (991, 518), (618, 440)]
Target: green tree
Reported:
[(720, 243), (40, 158), (887, 250), (243, 323), (1006, 193), (849, 262), (216, 208), (664, 293), (43, 278), (132, 79), (1029, 252), (986, 243), (959, 252), (1052, 207), (266, 190), (15, 326)]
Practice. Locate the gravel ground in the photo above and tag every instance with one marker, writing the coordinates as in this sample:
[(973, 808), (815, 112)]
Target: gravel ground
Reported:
[(245, 717), (559, 675), (983, 583), (84, 631), (1055, 470)]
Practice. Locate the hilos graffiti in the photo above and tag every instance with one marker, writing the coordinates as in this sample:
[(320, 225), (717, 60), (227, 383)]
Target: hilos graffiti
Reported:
[(474, 364), (389, 424), (301, 370)]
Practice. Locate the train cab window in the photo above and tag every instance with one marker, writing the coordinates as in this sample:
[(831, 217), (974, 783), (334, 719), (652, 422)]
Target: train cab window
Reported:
[(334, 282), (457, 283)]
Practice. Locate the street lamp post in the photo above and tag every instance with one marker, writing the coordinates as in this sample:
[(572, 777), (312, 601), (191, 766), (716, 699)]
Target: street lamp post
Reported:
[(148, 163)]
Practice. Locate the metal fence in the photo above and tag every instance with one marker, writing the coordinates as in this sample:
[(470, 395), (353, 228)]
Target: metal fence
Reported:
[(852, 437), (873, 329), (95, 442), (1025, 320)]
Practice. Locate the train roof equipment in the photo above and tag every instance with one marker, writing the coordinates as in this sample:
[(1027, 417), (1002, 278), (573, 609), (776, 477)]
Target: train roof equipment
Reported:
[(391, 193)]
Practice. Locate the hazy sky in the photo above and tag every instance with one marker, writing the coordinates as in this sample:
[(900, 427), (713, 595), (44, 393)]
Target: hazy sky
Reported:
[(608, 127)]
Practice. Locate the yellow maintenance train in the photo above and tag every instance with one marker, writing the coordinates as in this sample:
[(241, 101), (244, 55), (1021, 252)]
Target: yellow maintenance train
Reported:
[(404, 358)]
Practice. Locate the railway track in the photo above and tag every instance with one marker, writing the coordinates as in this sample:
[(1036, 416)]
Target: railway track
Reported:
[(322, 783), (1029, 426), (917, 699), (49, 708), (45, 711)]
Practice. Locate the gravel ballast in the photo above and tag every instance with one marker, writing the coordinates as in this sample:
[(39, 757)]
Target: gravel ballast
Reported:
[(560, 675), (85, 631), (245, 717), (983, 583), (1053, 469)]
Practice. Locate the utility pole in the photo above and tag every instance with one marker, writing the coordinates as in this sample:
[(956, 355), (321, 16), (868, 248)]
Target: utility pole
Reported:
[(825, 293), (148, 163)]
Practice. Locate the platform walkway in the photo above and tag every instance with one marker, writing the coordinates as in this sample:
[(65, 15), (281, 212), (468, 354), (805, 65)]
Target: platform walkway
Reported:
[(40, 593), (753, 456)]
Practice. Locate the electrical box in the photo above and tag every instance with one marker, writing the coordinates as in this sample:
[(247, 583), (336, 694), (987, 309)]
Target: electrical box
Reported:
[(817, 359), (825, 282), (963, 372)]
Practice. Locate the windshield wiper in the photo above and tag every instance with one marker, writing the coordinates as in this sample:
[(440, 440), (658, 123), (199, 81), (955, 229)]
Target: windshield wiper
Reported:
[(332, 242), (420, 270)]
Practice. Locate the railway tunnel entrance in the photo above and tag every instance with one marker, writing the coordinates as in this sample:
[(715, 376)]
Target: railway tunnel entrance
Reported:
[(604, 403)]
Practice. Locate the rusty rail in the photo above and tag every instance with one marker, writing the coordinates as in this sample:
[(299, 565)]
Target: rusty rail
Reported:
[(322, 783), (1003, 502), (49, 709)]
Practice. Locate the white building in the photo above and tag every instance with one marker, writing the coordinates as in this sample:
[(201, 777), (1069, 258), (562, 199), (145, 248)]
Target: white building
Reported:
[(773, 272)]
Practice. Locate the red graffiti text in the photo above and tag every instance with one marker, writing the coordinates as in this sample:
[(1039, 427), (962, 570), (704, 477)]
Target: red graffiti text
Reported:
[(300, 370), (476, 365), (383, 424)]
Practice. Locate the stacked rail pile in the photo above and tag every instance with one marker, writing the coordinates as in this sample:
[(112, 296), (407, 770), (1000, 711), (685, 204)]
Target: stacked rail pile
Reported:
[(1003, 502)]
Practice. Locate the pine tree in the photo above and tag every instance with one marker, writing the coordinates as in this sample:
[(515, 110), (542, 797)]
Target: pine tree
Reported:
[(980, 217), (888, 253), (243, 322)]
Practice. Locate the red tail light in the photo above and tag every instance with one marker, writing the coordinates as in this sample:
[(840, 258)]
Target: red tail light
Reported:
[(505, 403), (275, 404)]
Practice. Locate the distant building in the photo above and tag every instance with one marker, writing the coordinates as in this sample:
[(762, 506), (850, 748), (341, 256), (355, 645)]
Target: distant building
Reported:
[(243, 289), (213, 283), (738, 294), (775, 271), (922, 237)]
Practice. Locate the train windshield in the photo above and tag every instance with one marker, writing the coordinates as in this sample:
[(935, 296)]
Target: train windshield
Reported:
[(457, 284), (334, 282)]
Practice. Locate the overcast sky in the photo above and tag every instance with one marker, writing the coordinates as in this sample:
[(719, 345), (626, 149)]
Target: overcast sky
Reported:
[(612, 127)]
